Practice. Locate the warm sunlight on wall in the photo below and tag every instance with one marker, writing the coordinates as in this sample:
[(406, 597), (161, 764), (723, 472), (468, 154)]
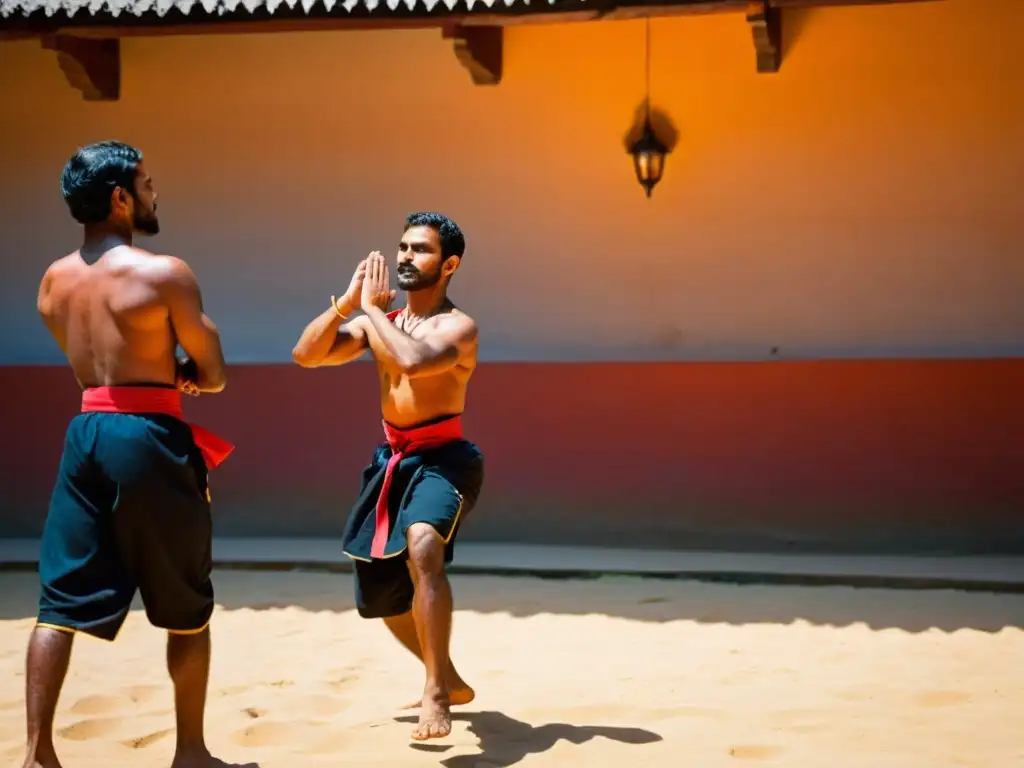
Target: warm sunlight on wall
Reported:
[(861, 202)]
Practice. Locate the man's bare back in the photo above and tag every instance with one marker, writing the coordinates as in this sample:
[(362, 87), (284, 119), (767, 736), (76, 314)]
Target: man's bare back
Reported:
[(130, 508), (120, 319)]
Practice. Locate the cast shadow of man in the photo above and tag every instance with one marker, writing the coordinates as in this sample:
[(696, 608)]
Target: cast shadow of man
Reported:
[(505, 741)]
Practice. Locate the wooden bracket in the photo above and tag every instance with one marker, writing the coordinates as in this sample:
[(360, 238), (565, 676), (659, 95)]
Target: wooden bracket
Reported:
[(92, 66), (479, 50), (766, 25)]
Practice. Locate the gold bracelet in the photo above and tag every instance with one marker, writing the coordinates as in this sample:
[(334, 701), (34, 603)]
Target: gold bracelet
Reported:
[(334, 303)]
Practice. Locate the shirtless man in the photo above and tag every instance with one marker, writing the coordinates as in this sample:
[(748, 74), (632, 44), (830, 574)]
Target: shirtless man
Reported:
[(130, 509), (425, 479)]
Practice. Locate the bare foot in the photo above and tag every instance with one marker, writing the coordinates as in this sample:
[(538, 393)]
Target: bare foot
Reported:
[(435, 718), (460, 695), (34, 761), (201, 759)]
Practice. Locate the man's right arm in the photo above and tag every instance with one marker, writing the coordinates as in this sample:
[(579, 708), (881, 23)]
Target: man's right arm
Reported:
[(325, 341), (195, 332)]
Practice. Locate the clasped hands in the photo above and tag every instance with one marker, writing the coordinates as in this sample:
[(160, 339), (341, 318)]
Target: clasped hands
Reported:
[(370, 285)]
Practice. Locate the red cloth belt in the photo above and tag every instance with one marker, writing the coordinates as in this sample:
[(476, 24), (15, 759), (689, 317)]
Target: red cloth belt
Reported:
[(404, 442), (162, 400)]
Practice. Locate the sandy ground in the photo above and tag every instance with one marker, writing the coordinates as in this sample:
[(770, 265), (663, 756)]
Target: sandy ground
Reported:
[(610, 672)]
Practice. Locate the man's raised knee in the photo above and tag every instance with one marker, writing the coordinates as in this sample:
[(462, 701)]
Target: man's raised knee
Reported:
[(426, 549)]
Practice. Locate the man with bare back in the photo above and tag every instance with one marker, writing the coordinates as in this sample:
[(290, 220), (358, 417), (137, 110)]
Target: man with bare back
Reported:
[(424, 480), (130, 509)]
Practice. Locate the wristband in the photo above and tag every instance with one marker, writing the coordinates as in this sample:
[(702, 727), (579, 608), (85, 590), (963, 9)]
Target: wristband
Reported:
[(334, 303)]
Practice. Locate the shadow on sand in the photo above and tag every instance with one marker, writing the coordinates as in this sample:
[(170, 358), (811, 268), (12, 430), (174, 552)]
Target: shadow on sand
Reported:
[(506, 741), (636, 598), (663, 600)]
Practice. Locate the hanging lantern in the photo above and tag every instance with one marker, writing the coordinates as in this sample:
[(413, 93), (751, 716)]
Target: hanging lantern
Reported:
[(648, 157)]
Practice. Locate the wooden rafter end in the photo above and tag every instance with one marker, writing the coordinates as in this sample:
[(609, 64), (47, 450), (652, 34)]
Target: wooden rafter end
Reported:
[(766, 27), (91, 65), (480, 51)]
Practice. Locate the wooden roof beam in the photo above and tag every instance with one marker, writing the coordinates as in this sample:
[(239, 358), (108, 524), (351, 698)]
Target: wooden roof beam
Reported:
[(91, 65), (103, 26)]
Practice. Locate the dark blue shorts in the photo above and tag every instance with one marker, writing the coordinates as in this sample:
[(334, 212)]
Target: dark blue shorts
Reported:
[(130, 512), (438, 487)]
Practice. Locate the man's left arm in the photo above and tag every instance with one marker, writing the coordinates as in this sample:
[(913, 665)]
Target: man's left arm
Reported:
[(444, 348)]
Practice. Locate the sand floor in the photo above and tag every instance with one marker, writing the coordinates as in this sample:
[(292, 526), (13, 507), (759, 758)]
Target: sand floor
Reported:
[(609, 672)]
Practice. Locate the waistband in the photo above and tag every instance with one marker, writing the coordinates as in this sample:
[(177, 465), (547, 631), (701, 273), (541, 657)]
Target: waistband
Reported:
[(161, 400), (424, 436), (133, 399)]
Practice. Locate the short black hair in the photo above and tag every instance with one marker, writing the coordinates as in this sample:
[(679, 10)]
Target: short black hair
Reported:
[(453, 242), (91, 174)]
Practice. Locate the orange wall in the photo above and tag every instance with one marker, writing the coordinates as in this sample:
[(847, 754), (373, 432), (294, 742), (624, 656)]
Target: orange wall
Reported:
[(862, 202)]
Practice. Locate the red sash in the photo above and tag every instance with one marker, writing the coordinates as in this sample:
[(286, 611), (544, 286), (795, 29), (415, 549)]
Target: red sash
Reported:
[(162, 400), (404, 442)]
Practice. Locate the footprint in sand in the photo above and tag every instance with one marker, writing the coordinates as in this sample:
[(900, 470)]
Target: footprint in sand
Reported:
[(275, 734), (140, 694), (796, 720), (86, 730), (755, 752), (265, 734), (332, 745), (341, 683), (323, 705), (144, 741), (339, 678), (942, 698), (234, 690), (100, 705), (109, 704), (801, 728)]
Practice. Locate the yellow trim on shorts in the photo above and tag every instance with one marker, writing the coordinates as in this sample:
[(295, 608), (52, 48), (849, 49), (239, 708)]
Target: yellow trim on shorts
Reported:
[(189, 631), (66, 630), (372, 559), (458, 514)]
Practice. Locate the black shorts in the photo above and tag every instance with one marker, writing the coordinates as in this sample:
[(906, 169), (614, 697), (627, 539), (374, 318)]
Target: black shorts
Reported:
[(130, 511), (438, 487)]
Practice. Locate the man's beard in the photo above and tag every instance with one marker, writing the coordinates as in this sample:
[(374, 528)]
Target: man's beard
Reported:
[(411, 279), (147, 224)]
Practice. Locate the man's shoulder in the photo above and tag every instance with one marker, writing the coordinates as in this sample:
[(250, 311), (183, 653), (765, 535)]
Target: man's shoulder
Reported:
[(163, 268), (65, 264), (457, 324), (61, 276), (455, 317)]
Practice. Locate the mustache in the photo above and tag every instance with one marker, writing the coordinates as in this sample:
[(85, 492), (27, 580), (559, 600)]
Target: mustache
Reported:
[(407, 271)]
